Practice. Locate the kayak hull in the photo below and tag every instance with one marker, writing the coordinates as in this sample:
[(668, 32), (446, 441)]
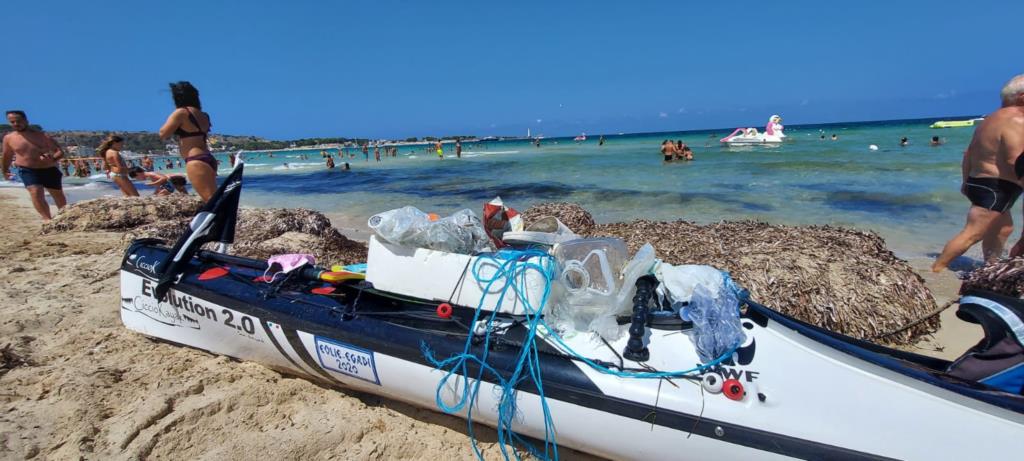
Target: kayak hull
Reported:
[(803, 398)]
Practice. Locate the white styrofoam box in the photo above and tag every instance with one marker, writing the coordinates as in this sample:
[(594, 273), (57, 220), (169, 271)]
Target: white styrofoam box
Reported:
[(435, 275)]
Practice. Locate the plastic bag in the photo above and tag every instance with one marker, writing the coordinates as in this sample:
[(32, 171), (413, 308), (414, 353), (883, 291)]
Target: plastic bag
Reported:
[(715, 314), (461, 232), (499, 219), (678, 282)]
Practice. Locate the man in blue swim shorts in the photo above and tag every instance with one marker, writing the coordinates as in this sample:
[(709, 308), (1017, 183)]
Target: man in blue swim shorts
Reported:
[(36, 155)]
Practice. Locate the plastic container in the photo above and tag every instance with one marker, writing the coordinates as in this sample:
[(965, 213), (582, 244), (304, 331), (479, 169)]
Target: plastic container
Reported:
[(462, 232), (596, 283)]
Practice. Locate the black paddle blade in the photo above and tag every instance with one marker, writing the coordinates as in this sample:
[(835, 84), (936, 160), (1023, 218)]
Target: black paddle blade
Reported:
[(215, 222)]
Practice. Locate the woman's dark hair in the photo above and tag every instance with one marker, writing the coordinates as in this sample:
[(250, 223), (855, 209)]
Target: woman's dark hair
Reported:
[(185, 95), (106, 144), (135, 171)]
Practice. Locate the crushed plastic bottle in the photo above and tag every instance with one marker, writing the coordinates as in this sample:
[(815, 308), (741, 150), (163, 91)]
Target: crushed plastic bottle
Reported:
[(716, 321), (462, 232)]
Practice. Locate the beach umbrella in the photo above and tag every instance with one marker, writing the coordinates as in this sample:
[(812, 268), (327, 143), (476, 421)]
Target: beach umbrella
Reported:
[(215, 222)]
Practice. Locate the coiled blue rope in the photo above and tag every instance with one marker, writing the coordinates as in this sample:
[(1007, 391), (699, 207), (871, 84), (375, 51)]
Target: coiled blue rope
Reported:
[(512, 270)]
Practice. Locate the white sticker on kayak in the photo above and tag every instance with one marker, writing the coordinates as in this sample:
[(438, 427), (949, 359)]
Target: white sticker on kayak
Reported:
[(343, 358)]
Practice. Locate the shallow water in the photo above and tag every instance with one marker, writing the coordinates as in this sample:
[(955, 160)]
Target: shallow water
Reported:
[(910, 194)]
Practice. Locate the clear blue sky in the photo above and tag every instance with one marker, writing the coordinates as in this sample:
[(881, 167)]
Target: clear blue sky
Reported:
[(289, 69)]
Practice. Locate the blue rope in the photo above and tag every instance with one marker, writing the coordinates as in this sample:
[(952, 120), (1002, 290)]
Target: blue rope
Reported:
[(513, 269)]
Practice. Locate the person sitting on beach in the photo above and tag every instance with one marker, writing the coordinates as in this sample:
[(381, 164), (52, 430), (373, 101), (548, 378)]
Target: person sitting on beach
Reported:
[(330, 162), (191, 125), (36, 156), (165, 184), (904, 142), (992, 169), (935, 141), (110, 151)]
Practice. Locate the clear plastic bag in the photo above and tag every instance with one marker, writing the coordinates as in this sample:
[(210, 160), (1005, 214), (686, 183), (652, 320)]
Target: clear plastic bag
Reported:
[(462, 232), (716, 321), (678, 282)]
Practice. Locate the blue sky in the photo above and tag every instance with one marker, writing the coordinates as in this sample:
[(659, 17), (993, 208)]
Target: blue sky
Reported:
[(395, 69)]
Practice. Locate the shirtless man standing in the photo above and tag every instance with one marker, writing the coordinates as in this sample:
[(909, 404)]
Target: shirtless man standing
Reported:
[(992, 170), (36, 155)]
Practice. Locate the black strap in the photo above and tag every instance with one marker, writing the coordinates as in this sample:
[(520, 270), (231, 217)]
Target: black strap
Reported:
[(195, 121)]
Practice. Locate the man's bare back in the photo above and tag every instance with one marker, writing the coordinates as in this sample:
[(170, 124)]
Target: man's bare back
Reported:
[(997, 143)]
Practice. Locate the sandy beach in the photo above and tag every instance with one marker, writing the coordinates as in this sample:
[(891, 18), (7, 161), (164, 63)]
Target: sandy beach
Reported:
[(75, 383)]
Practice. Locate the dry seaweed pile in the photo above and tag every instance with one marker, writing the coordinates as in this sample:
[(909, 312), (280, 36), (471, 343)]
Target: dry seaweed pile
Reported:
[(840, 279), (122, 213), (260, 233), (1005, 276), (574, 216)]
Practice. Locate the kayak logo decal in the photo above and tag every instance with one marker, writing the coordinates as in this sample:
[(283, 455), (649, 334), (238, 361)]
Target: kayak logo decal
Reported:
[(743, 356), (160, 312), (146, 266), (178, 310)]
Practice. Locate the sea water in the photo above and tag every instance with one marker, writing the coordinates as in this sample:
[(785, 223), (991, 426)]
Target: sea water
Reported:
[(910, 195)]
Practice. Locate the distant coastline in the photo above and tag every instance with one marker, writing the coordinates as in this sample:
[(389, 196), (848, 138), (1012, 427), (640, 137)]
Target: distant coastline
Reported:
[(149, 143)]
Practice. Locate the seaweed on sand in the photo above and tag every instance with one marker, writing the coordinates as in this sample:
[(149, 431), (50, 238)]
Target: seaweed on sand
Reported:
[(841, 279)]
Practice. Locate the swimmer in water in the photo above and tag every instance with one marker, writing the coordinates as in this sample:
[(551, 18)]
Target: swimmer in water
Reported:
[(440, 150), (668, 150), (834, 137), (935, 141), (904, 142)]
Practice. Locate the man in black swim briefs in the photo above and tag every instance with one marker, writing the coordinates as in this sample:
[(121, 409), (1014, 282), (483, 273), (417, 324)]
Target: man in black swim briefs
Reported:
[(992, 170), (36, 156)]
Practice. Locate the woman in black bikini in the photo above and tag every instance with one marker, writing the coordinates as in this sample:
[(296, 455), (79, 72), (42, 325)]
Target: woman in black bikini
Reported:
[(110, 152), (191, 125)]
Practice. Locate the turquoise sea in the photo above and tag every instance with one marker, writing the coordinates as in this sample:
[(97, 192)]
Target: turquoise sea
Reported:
[(910, 195)]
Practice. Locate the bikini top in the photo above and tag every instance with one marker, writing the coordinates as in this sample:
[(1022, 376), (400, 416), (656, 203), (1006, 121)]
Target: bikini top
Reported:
[(181, 133)]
